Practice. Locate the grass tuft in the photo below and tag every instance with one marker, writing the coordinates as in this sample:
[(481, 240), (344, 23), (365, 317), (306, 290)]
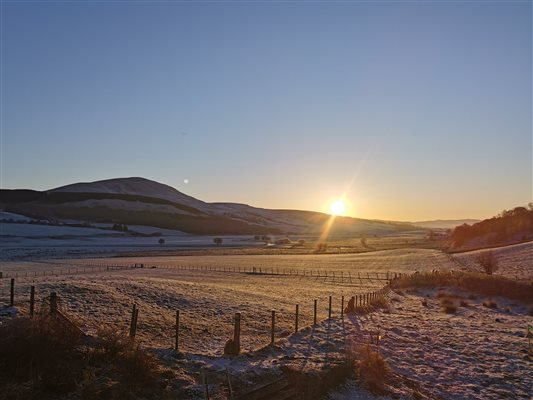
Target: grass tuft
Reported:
[(43, 358), (490, 304), (488, 285), (447, 304), (372, 370)]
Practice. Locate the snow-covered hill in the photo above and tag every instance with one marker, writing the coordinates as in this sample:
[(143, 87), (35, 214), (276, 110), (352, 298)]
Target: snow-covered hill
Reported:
[(135, 186), (139, 201)]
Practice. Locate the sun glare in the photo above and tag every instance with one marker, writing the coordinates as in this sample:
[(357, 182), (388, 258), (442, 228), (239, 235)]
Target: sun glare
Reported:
[(337, 207)]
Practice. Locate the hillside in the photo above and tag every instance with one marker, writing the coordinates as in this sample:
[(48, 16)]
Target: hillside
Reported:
[(444, 223), (139, 201), (510, 226)]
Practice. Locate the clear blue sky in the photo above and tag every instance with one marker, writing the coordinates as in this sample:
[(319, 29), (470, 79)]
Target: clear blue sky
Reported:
[(418, 110)]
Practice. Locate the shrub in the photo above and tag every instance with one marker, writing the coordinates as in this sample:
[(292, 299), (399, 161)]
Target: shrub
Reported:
[(488, 262), (43, 358), (490, 304), (39, 351), (448, 305), (372, 370), (464, 303)]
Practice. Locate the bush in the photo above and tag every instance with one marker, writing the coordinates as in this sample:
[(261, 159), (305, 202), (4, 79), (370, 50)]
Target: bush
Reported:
[(43, 358), (488, 262), (490, 304), (372, 369), (40, 352), (447, 304)]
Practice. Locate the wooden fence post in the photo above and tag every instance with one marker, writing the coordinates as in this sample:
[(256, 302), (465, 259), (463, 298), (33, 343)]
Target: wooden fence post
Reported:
[(329, 311), (133, 323), (314, 318), (273, 327), (177, 339), (237, 333), (296, 319), (53, 303), (12, 293), (32, 300)]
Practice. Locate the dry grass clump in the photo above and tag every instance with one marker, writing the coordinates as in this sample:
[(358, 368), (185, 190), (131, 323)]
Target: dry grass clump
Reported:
[(132, 369), (490, 304), (44, 358), (447, 304), (377, 304), (372, 370), (489, 285), (37, 355)]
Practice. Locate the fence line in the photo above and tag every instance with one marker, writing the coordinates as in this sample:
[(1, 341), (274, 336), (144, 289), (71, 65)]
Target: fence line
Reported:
[(357, 303), (325, 274)]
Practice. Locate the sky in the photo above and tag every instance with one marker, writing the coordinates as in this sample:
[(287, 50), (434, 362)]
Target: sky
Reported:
[(408, 110)]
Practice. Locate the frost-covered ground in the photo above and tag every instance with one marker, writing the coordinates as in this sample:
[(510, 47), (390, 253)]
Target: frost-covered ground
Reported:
[(349, 265), (476, 353), (23, 241), (515, 261), (207, 301)]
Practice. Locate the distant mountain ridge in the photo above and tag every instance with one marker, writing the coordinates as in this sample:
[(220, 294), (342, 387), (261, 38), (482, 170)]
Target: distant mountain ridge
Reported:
[(444, 223), (139, 201)]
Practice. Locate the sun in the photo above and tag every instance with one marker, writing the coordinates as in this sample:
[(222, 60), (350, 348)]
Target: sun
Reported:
[(337, 207)]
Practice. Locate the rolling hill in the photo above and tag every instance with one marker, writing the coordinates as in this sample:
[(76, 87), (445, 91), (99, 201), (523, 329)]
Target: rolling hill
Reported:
[(139, 201)]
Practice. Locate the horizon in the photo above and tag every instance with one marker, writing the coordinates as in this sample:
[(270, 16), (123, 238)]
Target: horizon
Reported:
[(259, 206), (275, 105)]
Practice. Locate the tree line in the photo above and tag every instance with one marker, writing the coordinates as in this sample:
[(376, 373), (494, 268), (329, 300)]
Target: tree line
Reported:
[(508, 226)]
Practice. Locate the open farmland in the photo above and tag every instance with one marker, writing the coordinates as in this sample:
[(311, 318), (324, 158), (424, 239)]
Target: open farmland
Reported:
[(208, 299), (515, 261), (209, 289)]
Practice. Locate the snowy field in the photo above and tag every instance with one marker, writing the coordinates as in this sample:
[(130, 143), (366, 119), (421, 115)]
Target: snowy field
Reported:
[(514, 261), (209, 299), (476, 353), (21, 241)]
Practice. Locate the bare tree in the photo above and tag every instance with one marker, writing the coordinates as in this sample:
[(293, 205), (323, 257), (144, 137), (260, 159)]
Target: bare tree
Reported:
[(488, 261)]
